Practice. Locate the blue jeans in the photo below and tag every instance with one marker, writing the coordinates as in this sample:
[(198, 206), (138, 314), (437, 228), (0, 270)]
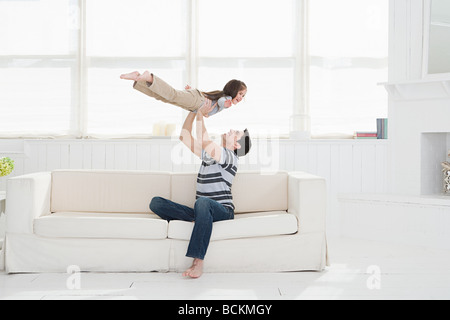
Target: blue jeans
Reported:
[(205, 212)]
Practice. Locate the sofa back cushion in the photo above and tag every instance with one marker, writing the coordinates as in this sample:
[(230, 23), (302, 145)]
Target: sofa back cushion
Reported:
[(252, 191), (107, 191)]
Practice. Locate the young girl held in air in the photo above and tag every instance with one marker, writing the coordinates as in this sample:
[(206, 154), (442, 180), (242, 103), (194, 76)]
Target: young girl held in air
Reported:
[(188, 99)]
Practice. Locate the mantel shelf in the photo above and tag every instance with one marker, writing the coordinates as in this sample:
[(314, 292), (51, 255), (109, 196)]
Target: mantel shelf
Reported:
[(418, 90)]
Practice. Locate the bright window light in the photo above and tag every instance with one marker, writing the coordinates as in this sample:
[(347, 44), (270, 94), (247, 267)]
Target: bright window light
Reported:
[(60, 62), (349, 57)]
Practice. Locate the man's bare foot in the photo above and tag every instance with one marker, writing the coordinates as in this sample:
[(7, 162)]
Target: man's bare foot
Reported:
[(146, 76), (196, 270), (130, 76)]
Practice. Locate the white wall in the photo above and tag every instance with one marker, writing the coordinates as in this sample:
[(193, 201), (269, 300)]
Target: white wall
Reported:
[(406, 32), (418, 112), (418, 103), (349, 166)]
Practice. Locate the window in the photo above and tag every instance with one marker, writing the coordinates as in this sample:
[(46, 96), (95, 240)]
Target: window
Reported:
[(349, 57), (239, 39), (124, 36), (59, 71), (38, 67)]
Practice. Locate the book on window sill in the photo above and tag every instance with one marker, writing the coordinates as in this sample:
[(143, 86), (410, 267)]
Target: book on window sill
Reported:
[(382, 128), (365, 135)]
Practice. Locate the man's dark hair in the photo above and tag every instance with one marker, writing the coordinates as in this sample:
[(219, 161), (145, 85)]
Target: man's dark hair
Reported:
[(246, 144)]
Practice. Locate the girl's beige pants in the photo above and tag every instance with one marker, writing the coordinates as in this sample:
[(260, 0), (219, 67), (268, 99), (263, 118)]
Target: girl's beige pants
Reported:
[(189, 100)]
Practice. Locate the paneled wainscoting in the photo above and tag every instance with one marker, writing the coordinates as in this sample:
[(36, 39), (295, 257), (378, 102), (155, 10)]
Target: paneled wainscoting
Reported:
[(349, 166)]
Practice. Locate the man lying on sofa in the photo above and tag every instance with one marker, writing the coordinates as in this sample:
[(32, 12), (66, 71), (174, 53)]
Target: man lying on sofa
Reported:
[(214, 201)]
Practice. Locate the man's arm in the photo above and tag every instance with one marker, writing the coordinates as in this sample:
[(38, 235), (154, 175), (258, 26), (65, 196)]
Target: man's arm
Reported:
[(213, 149), (187, 138)]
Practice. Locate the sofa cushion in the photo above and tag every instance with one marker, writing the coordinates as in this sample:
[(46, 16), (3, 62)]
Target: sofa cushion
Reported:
[(256, 192), (107, 191), (101, 225), (252, 191), (243, 226)]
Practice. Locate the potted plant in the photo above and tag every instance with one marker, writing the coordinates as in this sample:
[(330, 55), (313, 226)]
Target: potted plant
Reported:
[(6, 166)]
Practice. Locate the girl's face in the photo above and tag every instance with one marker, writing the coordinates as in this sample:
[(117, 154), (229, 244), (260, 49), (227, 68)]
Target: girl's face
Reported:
[(241, 94)]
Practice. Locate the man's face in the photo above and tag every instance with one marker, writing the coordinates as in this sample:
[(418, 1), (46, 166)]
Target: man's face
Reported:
[(230, 139)]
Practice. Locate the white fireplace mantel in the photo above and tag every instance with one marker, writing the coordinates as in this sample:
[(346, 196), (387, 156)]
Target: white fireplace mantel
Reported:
[(418, 89), (419, 133)]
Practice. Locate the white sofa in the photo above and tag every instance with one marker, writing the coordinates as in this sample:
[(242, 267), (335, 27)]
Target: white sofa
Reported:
[(100, 221)]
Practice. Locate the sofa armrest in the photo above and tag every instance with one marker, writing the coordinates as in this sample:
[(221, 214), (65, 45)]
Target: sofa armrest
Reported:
[(307, 199), (28, 197)]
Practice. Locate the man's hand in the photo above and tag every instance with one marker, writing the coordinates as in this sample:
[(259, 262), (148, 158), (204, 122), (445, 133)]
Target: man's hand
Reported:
[(206, 108)]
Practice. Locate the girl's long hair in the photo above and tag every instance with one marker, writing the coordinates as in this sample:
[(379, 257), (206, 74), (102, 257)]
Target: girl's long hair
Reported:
[(231, 89)]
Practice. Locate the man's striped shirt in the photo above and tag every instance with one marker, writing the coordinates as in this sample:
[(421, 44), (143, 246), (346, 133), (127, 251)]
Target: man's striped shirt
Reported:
[(215, 179)]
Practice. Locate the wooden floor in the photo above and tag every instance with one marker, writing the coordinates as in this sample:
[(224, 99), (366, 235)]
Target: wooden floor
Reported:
[(359, 270)]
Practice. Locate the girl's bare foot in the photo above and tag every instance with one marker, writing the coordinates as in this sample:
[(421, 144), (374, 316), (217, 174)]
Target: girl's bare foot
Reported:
[(130, 76), (146, 76), (196, 270)]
